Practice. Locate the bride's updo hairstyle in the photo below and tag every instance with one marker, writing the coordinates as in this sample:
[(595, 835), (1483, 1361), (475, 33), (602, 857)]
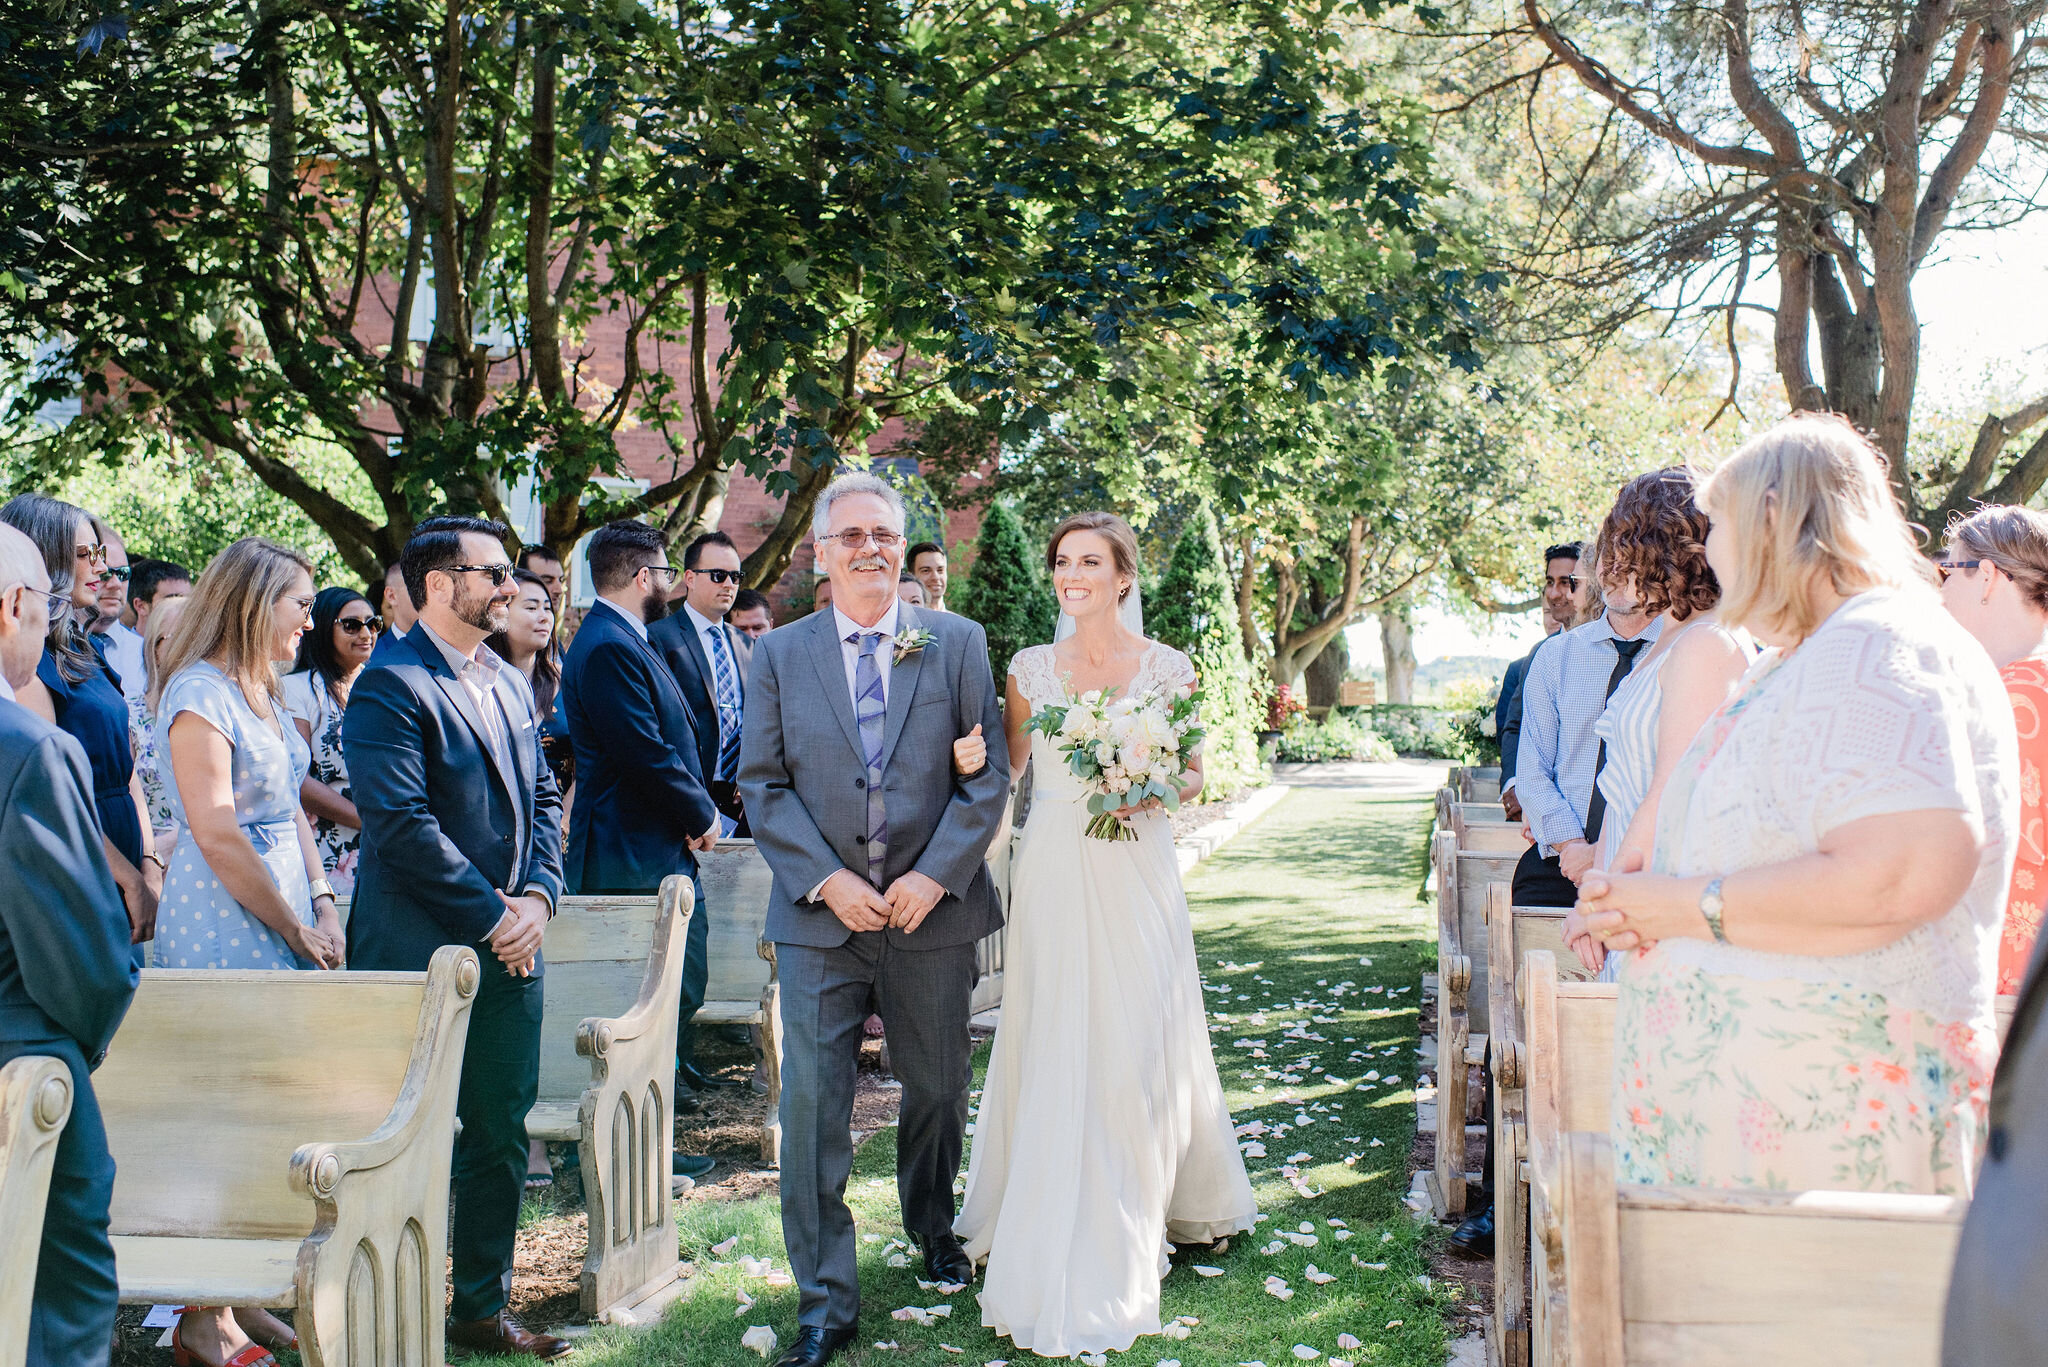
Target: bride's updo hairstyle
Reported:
[(1805, 498), (1123, 542)]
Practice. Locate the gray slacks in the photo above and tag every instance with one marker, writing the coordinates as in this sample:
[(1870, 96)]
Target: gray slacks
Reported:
[(922, 997)]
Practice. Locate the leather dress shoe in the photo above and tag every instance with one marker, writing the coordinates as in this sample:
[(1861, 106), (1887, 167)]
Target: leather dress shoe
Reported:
[(814, 1346), (697, 1080), (505, 1335), (690, 1165), (1474, 1238), (945, 1260)]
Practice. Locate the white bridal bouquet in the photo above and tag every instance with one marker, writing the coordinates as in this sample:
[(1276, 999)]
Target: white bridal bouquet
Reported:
[(1125, 749)]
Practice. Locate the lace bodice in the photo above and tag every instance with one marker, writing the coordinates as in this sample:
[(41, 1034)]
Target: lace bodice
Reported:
[(1888, 707), (1039, 680)]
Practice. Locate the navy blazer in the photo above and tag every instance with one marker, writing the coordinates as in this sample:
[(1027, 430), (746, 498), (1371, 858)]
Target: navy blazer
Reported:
[(65, 968), (675, 639), (640, 796), (439, 817)]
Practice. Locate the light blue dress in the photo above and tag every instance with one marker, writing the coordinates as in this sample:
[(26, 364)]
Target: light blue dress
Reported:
[(199, 924)]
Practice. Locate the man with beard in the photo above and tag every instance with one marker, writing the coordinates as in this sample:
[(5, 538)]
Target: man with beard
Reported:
[(642, 808), (462, 845)]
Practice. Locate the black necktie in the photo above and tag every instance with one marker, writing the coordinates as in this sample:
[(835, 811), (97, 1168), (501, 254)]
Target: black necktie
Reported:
[(1596, 809)]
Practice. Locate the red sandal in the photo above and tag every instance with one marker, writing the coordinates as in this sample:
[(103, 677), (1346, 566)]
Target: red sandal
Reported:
[(252, 1355)]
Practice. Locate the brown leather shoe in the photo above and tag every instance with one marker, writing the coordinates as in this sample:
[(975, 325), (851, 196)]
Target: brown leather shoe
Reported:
[(503, 1334)]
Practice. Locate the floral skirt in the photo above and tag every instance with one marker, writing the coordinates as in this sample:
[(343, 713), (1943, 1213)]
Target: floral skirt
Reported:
[(1790, 1085)]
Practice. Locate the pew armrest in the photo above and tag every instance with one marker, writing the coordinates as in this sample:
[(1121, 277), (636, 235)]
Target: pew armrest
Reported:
[(35, 1103), (380, 1204)]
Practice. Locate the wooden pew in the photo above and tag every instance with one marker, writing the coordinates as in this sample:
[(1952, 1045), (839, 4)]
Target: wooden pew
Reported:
[(1477, 783), (1461, 1003), (35, 1101), (1705, 1277), (283, 1141), (614, 977)]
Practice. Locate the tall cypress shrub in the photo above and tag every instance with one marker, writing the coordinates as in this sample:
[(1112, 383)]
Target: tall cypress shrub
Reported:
[(1005, 591), (1193, 610)]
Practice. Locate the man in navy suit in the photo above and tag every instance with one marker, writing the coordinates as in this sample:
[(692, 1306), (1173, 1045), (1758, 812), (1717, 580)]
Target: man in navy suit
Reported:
[(65, 973), (706, 658), (642, 811), (462, 845), (394, 605)]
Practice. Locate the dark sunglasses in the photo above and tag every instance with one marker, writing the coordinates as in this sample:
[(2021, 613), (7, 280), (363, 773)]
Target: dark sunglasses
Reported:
[(499, 572), (357, 625), (720, 576), (1945, 568), (118, 573)]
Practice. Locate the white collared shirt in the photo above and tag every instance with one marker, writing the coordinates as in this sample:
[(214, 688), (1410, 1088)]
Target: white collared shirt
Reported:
[(706, 629), (124, 653), (624, 616), (849, 652), (6, 690)]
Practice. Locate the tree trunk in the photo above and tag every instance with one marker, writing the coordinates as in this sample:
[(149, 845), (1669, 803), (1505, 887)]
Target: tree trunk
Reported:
[(1397, 648), (1326, 671)]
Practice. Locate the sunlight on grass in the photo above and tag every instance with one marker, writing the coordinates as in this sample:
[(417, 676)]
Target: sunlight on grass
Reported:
[(1312, 946)]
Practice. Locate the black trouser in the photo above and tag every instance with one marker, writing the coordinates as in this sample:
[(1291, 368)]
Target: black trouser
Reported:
[(500, 1077), (1538, 883), (71, 1316)]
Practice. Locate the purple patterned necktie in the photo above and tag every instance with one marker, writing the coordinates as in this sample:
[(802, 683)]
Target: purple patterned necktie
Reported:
[(871, 707)]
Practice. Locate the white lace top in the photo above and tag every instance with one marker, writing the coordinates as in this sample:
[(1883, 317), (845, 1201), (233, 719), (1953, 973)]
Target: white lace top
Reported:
[(1888, 707), (1160, 668)]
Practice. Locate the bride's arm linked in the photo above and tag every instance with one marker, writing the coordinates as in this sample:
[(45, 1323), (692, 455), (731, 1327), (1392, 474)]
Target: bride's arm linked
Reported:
[(1016, 712)]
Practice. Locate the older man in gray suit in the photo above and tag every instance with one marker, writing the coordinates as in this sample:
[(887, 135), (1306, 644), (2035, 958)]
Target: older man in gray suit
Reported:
[(877, 848), (1997, 1316)]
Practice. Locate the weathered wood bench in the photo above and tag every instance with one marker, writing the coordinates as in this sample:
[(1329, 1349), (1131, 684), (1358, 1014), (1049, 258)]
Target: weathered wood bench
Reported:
[(607, 1064), (35, 1101), (1476, 783), (283, 1141), (1461, 1002), (1704, 1277)]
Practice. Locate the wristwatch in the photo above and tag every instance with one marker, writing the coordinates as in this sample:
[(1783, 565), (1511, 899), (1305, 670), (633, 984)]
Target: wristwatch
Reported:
[(1710, 907), (322, 888)]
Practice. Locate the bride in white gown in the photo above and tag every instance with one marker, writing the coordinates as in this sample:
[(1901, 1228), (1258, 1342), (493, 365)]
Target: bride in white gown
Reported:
[(1102, 1138)]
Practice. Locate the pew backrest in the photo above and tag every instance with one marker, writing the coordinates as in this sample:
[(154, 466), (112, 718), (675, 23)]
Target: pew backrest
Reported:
[(35, 1104), (736, 885), (216, 1077), (1462, 879)]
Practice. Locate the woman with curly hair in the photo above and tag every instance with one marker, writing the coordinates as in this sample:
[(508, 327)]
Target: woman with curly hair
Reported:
[(1809, 1003), (1652, 552)]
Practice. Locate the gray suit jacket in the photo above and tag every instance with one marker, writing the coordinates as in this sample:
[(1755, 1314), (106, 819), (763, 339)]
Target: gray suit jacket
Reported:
[(803, 775), (1997, 1314)]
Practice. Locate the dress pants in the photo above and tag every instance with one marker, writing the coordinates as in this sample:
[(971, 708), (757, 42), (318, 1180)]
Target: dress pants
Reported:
[(827, 994), (500, 1078), (696, 974), (71, 1319)]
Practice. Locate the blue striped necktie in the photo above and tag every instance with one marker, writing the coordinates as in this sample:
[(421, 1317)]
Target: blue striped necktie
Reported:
[(726, 679), (871, 707)]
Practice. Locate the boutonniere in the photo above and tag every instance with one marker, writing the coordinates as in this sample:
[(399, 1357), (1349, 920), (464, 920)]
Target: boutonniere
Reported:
[(909, 642)]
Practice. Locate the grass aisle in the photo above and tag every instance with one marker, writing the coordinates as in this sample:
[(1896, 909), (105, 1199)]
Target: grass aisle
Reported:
[(1312, 947)]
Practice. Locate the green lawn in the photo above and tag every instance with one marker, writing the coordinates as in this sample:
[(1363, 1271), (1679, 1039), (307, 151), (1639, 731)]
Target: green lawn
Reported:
[(1313, 945)]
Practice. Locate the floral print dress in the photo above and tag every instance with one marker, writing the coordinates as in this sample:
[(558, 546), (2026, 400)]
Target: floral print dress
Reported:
[(306, 699), (1871, 1071)]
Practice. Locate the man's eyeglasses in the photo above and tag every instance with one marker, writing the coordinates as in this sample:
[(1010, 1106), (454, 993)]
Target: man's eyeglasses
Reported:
[(118, 573), (499, 572), (720, 576), (668, 571), (57, 603), (854, 539), (1945, 568), (355, 626)]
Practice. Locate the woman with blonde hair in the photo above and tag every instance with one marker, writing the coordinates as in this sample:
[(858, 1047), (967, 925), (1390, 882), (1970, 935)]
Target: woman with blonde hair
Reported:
[(1994, 579), (245, 888), (1811, 1000)]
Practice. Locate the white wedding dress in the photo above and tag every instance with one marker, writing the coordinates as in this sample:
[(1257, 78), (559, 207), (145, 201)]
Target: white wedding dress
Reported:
[(1102, 1133)]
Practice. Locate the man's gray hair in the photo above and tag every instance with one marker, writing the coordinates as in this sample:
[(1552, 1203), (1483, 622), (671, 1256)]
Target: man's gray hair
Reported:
[(846, 486), (20, 561)]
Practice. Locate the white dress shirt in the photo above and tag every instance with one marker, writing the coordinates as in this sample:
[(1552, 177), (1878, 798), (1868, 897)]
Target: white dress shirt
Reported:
[(849, 652), (706, 629), (124, 653), (6, 690)]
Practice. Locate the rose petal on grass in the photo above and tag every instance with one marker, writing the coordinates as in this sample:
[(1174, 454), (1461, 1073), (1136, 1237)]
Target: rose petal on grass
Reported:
[(1313, 1274), (1205, 1271), (1176, 1330), (1349, 1342), (721, 1249), (1306, 1353)]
